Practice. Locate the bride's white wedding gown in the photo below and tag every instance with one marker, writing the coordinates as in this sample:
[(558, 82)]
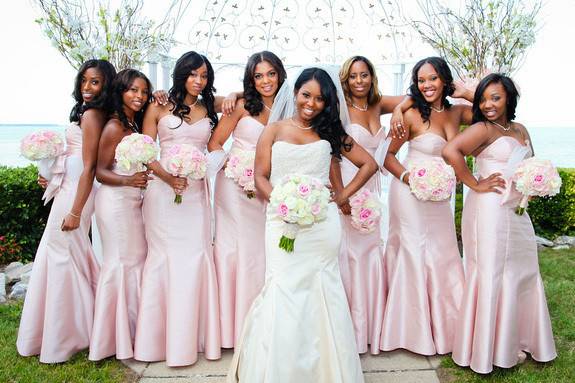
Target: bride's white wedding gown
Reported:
[(299, 328)]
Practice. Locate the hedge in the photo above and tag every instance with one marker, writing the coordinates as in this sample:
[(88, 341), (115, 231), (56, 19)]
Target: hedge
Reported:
[(23, 213), (554, 216)]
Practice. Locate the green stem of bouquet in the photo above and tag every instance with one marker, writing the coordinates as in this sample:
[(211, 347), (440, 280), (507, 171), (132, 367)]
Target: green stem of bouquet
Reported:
[(286, 244)]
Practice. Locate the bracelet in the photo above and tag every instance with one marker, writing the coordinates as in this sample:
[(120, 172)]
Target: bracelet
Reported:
[(403, 175), (74, 215)]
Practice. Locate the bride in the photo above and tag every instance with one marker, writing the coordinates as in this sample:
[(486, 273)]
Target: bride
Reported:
[(299, 328)]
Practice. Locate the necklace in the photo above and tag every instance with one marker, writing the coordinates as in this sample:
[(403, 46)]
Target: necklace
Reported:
[(505, 128), (267, 107), (194, 103), (360, 108), (300, 126), (438, 110), (133, 126)]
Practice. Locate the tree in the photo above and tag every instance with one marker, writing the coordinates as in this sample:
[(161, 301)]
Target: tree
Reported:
[(489, 35), (82, 30)]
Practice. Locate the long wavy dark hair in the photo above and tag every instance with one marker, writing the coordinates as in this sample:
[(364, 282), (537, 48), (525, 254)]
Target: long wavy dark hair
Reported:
[(184, 66), (253, 100), (102, 100), (123, 81), (327, 123), (444, 73), (510, 90)]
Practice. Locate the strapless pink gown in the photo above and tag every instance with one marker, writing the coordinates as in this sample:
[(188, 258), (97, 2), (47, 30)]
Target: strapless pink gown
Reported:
[(179, 309), (58, 311), (504, 309), (361, 257), (119, 219), (423, 264), (239, 251)]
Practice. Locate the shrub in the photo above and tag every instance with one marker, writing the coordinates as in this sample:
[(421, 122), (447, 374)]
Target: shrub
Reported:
[(22, 210), (554, 216)]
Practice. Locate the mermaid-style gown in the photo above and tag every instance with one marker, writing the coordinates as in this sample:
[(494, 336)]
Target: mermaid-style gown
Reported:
[(59, 307), (423, 264), (299, 328), (504, 310), (179, 313), (238, 249), (361, 257), (121, 225)]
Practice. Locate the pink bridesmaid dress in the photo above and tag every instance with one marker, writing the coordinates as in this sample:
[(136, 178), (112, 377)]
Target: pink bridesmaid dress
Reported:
[(58, 311), (121, 226), (361, 257), (179, 309), (423, 264), (504, 310), (238, 247)]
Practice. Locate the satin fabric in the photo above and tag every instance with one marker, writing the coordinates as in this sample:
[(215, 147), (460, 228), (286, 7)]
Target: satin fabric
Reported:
[(121, 226), (423, 264), (361, 257), (299, 328), (58, 310), (179, 309), (238, 249), (504, 309)]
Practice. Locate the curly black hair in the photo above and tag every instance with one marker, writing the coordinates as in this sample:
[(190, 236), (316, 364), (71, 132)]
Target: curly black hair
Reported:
[(510, 90), (123, 81), (253, 100), (102, 100), (444, 73), (327, 123), (187, 63)]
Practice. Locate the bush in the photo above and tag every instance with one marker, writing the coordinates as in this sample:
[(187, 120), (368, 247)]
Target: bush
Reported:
[(22, 210), (554, 216)]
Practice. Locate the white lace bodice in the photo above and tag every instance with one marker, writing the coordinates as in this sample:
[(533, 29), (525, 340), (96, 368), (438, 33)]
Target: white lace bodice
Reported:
[(311, 159)]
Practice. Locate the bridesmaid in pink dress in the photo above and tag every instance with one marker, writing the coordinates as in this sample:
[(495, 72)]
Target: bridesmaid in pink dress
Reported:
[(179, 309), (119, 218), (239, 221), (361, 256), (58, 311), (423, 264), (504, 312)]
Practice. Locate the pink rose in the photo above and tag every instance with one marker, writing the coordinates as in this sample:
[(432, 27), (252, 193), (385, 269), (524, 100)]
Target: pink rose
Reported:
[(248, 172), (365, 214), (148, 139), (315, 209), (421, 172), (283, 210), (538, 178), (303, 190)]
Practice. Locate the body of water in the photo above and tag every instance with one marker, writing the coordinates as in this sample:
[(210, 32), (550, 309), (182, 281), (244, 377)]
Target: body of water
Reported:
[(555, 144)]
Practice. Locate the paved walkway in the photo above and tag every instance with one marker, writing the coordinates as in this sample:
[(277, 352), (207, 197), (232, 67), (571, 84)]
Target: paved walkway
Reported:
[(388, 367)]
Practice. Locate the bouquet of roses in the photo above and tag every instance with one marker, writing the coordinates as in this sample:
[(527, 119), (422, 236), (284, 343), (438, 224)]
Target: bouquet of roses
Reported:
[(535, 177), (240, 168), (136, 151), (298, 200), (365, 211), (431, 180), (42, 146), (186, 161)]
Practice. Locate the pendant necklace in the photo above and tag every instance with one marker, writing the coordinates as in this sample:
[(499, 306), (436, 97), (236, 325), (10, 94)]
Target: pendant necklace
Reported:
[(501, 126)]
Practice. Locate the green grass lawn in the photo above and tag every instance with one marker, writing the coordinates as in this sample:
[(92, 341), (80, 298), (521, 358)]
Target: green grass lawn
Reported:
[(17, 369), (558, 272)]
